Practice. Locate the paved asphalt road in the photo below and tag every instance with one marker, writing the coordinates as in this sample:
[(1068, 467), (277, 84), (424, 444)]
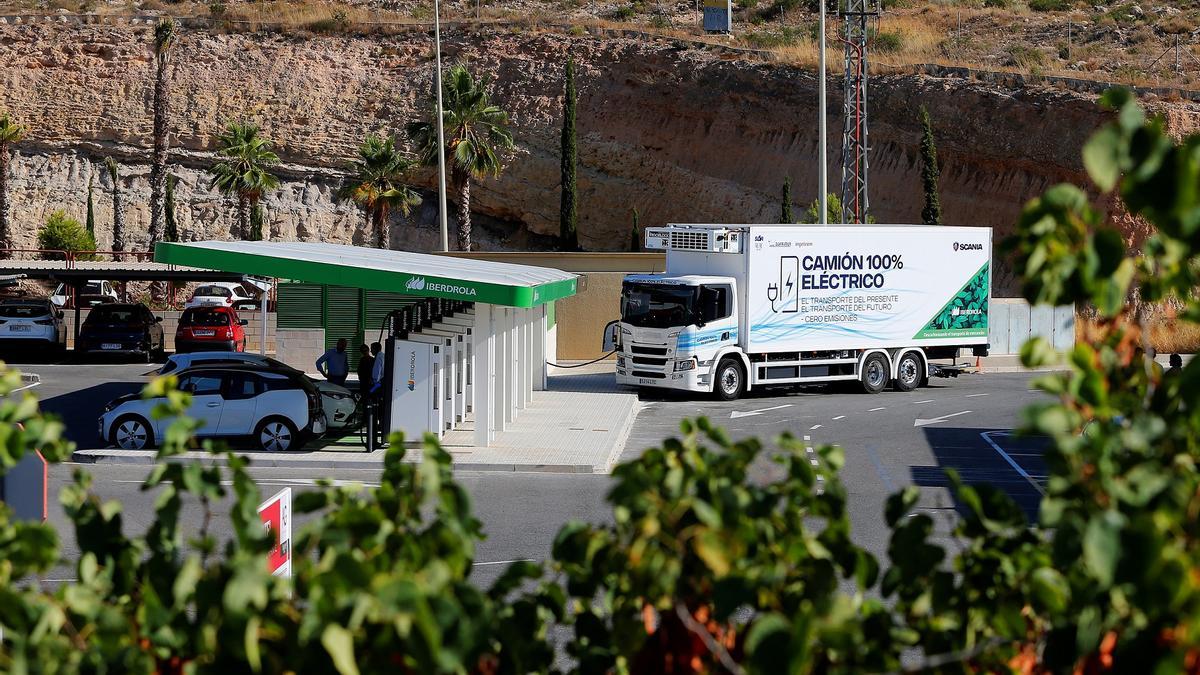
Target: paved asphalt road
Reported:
[(890, 440)]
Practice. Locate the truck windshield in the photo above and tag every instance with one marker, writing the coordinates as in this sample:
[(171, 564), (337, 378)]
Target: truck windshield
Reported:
[(658, 305)]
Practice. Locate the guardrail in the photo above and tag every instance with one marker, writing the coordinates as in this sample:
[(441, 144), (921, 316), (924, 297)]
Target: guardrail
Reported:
[(72, 257)]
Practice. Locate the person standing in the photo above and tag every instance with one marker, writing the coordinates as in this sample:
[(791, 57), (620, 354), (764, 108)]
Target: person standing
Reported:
[(366, 370), (334, 364), (377, 366)]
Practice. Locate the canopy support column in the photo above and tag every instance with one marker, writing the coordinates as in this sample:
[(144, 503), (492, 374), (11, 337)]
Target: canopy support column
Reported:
[(522, 365), (539, 348), (504, 370), (483, 384)]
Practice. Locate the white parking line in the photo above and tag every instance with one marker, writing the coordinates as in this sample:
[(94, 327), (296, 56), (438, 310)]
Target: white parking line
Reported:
[(928, 400), (975, 395), (876, 409), (814, 427), (987, 437), (28, 386), (503, 562), (840, 417)]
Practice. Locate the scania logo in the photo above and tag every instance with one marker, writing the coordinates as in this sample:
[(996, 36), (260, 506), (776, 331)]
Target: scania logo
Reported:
[(967, 247), (418, 283)]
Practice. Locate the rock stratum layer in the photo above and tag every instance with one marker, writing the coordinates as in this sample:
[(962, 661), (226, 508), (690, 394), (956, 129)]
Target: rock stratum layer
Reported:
[(679, 132)]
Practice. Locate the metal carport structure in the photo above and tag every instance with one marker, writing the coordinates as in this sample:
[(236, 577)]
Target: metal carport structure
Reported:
[(508, 340)]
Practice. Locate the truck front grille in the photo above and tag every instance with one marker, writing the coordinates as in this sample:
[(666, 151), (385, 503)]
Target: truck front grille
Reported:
[(646, 373), (652, 351), (643, 361)]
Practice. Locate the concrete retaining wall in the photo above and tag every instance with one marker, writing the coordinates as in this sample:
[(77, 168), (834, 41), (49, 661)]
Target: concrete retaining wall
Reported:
[(300, 347), (171, 322), (1012, 321)]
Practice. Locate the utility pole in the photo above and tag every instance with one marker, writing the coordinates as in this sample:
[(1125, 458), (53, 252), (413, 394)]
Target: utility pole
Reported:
[(857, 19), (823, 163), (437, 39)]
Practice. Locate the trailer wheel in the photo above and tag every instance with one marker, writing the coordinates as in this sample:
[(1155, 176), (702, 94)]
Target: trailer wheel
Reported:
[(730, 380), (874, 376), (909, 372)]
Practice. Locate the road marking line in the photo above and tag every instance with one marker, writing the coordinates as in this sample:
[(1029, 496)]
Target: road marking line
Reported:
[(928, 400), (975, 395), (736, 414), (503, 562), (987, 437), (808, 438), (28, 386), (814, 427), (840, 417), (876, 409), (923, 422), (813, 462)]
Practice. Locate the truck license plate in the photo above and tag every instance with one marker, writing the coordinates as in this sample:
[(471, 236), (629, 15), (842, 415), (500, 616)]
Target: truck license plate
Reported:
[(110, 345), (19, 329), (646, 380)]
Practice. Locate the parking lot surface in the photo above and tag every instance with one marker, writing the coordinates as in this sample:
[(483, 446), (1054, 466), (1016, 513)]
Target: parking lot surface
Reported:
[(890, 440)]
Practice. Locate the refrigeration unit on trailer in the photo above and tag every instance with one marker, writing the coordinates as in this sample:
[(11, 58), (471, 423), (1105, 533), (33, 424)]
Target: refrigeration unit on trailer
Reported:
[(741, 306)]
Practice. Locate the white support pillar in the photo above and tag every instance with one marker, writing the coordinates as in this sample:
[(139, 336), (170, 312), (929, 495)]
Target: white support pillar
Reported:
[(504, 370), (483, 388), (539, 348), (514, 362), (530, 354), (523, 359)]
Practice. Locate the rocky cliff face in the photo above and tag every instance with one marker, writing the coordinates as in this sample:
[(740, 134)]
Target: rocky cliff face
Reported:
[(681, 133)]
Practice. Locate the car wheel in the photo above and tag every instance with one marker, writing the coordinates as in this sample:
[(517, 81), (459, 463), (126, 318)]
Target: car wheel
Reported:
[(132, 432), (874, 375), (731, 380), (276, 434), (909, 372)]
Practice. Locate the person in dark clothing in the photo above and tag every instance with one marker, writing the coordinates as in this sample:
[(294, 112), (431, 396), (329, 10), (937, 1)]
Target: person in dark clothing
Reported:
[(1176, 365), (366, 366)]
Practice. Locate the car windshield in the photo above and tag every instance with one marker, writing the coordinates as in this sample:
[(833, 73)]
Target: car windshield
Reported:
[(23, 311), (193, 317), (212, 292), (115, 315), (657, 305)]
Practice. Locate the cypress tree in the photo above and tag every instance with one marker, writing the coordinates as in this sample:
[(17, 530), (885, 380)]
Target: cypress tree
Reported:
[(171, 230), (568, 215), (91, 210), (635, 235), (786, 213), (932, 213)]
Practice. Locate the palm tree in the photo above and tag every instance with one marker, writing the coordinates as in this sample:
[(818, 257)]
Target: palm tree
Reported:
[(243, 169), (164, 38), (10, 132), (118, 242), (377, 185), (476, 131)]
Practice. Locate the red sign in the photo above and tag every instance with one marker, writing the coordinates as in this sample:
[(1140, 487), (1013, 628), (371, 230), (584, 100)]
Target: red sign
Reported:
[(276, 515)]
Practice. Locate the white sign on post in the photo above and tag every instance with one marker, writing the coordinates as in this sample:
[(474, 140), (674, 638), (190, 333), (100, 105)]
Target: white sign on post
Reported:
[(276, 515)]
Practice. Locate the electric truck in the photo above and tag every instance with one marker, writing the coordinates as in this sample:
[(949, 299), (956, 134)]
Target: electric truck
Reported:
[(745, 306)]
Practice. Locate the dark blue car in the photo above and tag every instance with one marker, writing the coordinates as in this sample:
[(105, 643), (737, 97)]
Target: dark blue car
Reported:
[(122, 329)]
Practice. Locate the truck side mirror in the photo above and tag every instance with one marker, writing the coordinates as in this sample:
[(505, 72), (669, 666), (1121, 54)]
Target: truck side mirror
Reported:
[(612, 333)]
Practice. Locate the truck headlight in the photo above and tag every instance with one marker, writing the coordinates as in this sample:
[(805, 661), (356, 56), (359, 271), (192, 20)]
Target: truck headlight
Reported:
[(690, 364), (620, 361), (626, 331), (672, 335)]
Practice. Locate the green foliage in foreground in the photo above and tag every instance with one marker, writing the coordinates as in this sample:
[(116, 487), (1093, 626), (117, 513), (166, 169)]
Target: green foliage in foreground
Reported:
[(720, 556)]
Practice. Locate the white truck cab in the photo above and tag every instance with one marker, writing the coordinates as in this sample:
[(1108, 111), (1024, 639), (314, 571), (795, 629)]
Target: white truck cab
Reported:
[(748, 305)]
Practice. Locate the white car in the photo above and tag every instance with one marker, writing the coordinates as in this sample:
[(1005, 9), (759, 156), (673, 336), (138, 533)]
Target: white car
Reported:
[(337, 401), (277, 410), (229, 294), (90, 294), (33, 323)]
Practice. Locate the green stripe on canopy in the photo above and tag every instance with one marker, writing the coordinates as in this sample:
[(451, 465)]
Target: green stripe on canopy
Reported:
[(375, 269)]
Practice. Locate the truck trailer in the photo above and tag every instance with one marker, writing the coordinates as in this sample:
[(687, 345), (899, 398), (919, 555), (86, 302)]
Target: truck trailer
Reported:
[(744, 306)]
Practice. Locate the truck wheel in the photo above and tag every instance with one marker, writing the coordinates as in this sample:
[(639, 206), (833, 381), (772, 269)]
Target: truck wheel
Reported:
[(909, 372), (874, 376), (730, 380)]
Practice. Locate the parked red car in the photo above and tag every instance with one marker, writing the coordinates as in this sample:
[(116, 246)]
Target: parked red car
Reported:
[(210, 329)]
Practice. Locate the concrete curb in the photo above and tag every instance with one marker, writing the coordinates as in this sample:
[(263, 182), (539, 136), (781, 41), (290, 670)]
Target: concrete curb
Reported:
[(299, 461)]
